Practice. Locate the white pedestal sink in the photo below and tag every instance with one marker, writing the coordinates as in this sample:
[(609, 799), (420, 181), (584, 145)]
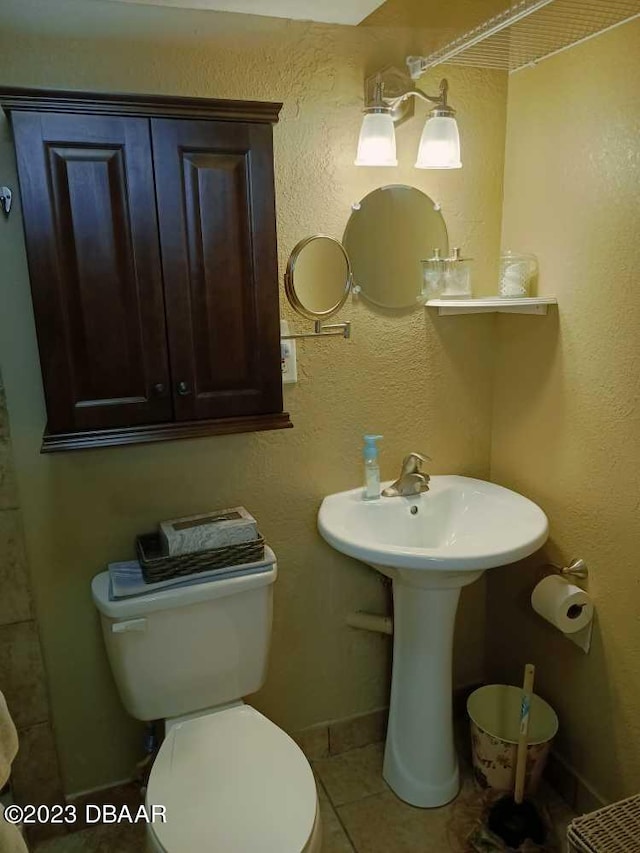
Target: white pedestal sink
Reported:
[(431, 545)]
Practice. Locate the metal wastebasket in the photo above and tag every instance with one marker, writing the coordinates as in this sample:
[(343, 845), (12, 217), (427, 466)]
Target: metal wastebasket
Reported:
[(494, 713)]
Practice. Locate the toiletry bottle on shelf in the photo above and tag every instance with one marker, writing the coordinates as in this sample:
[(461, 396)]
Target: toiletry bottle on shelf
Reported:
[(371, 468), (457, 277), (432, 277)]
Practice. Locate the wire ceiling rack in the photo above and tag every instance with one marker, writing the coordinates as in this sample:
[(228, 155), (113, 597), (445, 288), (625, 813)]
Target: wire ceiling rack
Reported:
[(527, 32)]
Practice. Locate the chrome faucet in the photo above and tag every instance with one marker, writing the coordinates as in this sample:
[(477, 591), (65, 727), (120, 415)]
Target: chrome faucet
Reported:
[(411, 480)]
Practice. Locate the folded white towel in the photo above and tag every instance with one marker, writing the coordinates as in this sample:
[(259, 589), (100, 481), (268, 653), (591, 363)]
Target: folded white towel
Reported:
[(8, 741), (11, 840)]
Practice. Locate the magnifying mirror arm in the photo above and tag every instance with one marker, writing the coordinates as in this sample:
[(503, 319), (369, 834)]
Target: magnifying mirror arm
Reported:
[(333, 330)]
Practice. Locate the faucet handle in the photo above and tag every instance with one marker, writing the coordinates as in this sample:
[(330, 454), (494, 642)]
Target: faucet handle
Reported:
[(412, 463)]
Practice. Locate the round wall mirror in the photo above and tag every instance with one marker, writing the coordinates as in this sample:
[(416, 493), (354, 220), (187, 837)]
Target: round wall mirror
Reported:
[(318, 277), (387, 235)]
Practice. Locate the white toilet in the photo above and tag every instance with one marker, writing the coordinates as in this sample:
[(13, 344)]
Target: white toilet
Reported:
[(230, 779)]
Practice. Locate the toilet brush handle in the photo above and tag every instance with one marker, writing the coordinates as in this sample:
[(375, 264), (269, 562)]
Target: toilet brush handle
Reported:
[(521, 758)]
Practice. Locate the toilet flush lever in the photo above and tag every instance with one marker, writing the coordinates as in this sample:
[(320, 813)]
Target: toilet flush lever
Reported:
[(129, 625)]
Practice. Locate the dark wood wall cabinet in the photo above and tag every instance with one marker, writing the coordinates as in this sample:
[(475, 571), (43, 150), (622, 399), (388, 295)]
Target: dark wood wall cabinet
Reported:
[(151, 240)]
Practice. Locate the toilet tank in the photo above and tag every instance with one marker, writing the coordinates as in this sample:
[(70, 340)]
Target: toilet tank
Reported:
[(185, 649)]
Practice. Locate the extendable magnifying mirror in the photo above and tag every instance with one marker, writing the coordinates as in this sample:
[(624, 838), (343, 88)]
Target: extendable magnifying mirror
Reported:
[(317, 283)]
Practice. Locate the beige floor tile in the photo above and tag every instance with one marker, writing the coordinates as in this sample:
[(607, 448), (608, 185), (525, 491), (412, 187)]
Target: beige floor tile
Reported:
[(384, 824), (377, 821), (352, 775), (334, 838), (122, 838)]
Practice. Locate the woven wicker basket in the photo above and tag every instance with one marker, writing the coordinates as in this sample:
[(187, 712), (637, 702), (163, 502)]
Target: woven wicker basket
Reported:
[(157, 566), (613, 829)]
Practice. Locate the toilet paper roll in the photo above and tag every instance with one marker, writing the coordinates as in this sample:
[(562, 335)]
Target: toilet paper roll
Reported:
[(565, 606)]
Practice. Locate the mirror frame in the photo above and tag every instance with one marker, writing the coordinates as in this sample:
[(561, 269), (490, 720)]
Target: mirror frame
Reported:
[(289, 282)]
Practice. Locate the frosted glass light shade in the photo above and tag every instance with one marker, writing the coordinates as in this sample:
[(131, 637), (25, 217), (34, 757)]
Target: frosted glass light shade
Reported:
[(377, 142), (439, 144)]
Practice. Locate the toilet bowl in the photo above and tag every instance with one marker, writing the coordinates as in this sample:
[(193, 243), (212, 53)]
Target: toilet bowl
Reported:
[(232, 781)]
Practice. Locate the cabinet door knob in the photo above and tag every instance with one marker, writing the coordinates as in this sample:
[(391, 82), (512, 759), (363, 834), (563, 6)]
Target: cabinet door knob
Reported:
[(158, 389), (183, 389)]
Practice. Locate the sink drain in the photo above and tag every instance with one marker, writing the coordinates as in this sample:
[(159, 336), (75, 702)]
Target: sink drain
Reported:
[(414, 510)]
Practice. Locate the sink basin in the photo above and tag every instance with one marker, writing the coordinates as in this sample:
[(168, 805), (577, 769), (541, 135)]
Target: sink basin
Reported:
[(459, 525), (431, 545)]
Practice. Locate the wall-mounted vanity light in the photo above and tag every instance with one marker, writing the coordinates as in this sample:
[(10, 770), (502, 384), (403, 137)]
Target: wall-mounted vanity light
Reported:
[(440, 141)]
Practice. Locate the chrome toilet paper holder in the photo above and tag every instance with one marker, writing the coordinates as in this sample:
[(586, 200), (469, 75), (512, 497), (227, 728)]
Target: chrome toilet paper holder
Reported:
[(576, 569)]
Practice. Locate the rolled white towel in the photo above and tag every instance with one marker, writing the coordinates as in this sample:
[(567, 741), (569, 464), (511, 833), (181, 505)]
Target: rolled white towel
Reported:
[(11, 840)]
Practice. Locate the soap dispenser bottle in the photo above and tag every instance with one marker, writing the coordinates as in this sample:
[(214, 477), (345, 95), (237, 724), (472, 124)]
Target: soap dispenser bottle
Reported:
[(371, 468)]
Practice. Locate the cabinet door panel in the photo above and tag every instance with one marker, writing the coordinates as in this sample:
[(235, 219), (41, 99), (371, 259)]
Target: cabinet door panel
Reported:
[(92, 240), (214, 184)]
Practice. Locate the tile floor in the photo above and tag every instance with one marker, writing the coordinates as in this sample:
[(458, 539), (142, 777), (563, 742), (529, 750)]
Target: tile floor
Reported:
[(360, 814), (374, 820)]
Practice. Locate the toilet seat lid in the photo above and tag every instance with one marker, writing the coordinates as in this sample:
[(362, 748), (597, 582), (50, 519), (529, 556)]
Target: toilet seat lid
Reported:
[(232, 781)]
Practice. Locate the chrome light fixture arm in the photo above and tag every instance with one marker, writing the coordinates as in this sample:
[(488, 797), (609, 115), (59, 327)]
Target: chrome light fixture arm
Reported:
[(440, 104)]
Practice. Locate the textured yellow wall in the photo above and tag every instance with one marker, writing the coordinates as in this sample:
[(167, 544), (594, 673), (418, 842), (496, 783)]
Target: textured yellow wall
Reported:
[(566, 428), (424, 382)]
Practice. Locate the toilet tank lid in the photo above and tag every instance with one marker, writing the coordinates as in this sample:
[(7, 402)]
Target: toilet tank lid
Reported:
[(258, 575)]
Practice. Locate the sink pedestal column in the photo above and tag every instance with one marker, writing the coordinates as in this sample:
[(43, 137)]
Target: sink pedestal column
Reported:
[(420, 762)]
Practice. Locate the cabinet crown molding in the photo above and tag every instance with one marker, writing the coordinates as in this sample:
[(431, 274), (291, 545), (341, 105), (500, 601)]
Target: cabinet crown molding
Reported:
[(126, 104)]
